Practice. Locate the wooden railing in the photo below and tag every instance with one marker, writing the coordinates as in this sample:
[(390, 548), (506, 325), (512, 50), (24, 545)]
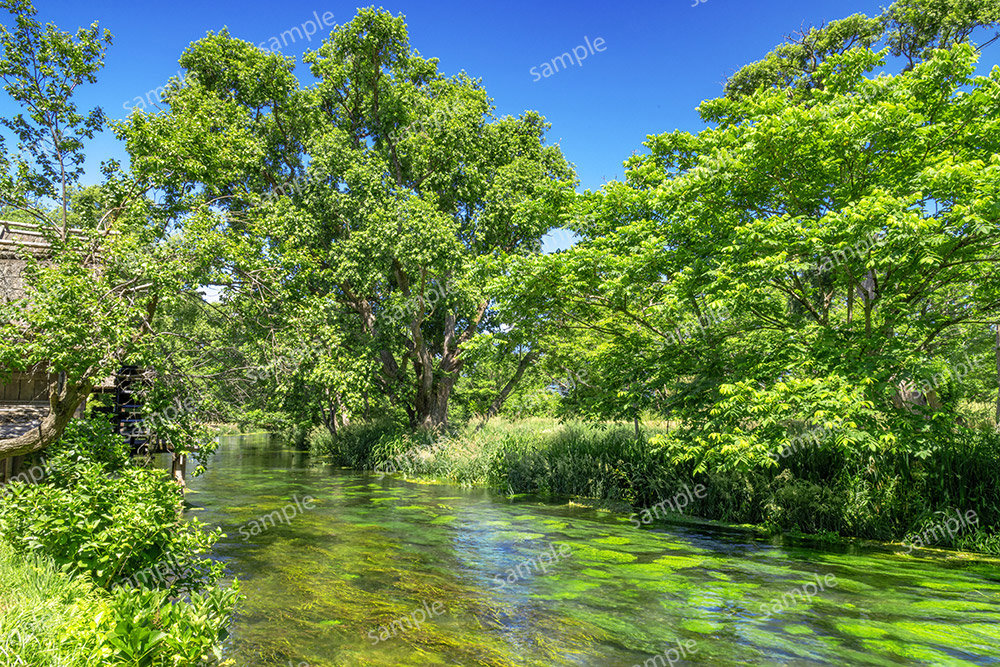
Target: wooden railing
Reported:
[(25, 388)]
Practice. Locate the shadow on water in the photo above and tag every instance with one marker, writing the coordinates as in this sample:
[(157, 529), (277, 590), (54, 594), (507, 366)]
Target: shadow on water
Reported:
[(376, 571)]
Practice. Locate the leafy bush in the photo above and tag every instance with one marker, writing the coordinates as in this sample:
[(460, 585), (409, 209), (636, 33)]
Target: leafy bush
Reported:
[(798, 504), (363, 445), (49, 617), (111, 527), (147, 628), (85, 443), (77, 538)]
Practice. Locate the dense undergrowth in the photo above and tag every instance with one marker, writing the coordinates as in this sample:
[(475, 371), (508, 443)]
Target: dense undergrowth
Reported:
[(98, 566), (884, 495)]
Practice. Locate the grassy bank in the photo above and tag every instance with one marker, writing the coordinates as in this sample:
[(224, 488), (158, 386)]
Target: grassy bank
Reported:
[(98, 566), (51, 616), (888, 496), (43, 612)]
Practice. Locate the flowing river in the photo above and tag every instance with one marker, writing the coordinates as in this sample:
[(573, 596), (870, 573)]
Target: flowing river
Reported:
[(387, 572)]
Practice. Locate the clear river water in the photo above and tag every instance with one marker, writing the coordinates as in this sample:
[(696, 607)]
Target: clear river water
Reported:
[(343, 568)]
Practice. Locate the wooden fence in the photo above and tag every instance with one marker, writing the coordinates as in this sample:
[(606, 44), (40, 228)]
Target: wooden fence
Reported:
[(24, 388)]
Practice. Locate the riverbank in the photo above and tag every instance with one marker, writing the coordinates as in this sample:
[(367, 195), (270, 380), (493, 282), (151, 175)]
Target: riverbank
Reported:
[(377, 548), (99, 567), (826, 495)]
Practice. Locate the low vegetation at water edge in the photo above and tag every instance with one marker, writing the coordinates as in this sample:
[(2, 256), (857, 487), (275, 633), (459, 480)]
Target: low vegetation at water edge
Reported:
[(819, 490)]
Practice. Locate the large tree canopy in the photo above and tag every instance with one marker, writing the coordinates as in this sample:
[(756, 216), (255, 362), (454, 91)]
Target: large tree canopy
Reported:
[(814, 260), (386, 198)]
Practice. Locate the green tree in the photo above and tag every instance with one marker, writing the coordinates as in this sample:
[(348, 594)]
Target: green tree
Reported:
[(384, 199), (103, 261), (828, 242)]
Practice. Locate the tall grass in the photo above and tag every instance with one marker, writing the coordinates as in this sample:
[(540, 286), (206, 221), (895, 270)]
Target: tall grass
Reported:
[(42, 611), (878, 495)]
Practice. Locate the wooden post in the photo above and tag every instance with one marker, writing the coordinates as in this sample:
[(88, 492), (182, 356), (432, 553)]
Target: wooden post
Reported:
[(177, 464), (996, 419)]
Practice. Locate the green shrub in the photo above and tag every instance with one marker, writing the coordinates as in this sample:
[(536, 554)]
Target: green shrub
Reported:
[(49, 617), (798, 504), (147, 627), (362, 445), (85, 443), (109, 526), (77, 540)]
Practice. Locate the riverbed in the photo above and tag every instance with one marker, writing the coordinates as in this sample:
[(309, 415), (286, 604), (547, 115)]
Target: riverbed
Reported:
[(342, 568)]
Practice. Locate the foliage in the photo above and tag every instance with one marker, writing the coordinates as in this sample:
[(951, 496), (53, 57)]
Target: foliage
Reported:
[(148, 628), (374, 229), (41, 68), (108, 262), (50, 617), (121, 572), (909, 29), (86, 443), (823, 256), (107, 520)]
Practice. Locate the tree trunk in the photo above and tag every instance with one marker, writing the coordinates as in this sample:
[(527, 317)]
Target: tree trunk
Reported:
[(498, 402), (178, 464), (345, 420), (432, 403), (64, 399), (996, 419)]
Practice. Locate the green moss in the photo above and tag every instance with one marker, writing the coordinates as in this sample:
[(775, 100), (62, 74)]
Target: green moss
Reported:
[(702, 626), (861, 630), (600, 574), (678, 562), (586, 552)]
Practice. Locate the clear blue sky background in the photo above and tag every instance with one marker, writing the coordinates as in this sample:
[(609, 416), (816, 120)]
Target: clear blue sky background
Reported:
[(661, 57)]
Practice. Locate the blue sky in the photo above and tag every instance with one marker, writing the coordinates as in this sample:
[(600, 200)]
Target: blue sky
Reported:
[(660, 58)]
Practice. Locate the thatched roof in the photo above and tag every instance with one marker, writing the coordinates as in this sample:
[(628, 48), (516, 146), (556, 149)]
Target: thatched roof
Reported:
[(12, 265), (18, 239)]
